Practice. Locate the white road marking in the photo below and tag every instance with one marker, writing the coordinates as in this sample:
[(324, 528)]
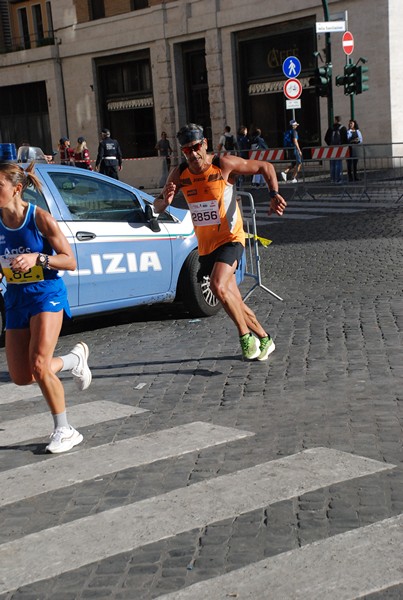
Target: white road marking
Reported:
[(29, 428), (128, 527), (343, 567), (9, 392), (308, 210), (68, 469)]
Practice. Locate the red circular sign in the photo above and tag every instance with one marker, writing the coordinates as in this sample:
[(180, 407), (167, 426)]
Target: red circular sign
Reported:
[(292, 89), (348, 42)]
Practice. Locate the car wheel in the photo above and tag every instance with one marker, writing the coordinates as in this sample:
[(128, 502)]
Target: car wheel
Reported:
[(196, 296)]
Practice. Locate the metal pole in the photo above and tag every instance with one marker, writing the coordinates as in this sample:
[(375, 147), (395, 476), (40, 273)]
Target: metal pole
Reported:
[(329, 62)]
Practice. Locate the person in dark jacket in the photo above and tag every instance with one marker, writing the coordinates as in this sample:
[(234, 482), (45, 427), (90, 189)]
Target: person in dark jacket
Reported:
[(109, 158), (336, 136)]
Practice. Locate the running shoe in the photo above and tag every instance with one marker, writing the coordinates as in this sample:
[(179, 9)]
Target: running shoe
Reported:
[(81, 373), (283, 175), (250, 346), (266, 347), (294, 180), (63, 439)]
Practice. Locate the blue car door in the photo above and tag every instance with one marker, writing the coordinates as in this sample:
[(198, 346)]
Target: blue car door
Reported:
[(120, 260)]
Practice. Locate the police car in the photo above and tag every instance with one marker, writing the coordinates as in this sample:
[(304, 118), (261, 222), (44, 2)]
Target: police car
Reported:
[(126, 256)]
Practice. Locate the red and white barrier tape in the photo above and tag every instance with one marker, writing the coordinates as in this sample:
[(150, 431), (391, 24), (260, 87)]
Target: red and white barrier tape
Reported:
[(331, 152), (276, 154)]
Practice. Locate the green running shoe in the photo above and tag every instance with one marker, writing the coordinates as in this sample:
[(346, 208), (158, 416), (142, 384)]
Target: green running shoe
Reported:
[(250, 346), (266, 347)]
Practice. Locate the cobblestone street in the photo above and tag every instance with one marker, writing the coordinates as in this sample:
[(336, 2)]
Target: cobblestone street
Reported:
[(294, 433)]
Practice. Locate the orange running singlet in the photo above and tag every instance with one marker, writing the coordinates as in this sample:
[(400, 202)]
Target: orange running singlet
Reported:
[(216, 217)]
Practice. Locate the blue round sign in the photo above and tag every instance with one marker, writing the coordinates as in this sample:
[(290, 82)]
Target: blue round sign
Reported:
[(291, 67)]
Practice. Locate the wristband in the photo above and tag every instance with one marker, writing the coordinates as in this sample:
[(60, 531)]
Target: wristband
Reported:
[(273, 193)]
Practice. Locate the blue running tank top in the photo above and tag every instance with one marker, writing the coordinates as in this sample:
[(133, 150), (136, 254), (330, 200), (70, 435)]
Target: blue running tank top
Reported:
[(26, 239)]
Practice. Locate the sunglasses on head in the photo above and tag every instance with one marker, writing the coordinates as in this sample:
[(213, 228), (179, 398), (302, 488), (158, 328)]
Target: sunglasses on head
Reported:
[(187, 150)]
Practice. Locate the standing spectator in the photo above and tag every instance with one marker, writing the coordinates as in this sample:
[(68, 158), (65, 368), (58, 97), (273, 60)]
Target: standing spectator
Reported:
[(258, 143), (336, 136), (33, 249), (227, 141), (66, 153), (354, 137), (244, 145), (164, 149), (82, 155), (109, 157), (243, 141), (296, 164)]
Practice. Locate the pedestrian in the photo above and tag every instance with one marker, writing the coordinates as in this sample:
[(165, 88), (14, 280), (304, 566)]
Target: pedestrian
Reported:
[(244, 146), (109, 157), (82, 155), (65, 152), (32, 250), (336, 136), (207, 183), (258, 143), (228, 141), (354, 137), (296, 164), (164, 149)]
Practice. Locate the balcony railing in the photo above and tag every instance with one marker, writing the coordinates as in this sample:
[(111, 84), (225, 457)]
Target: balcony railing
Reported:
[(28, 42)]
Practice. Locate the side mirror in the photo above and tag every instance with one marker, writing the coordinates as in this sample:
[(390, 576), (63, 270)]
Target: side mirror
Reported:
[(151, 219)]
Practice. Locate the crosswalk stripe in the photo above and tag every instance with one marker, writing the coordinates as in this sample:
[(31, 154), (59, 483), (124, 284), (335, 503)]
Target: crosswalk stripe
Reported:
[(31, 480), (29, 428), (308, 210), (13, 393), (90, 539), (343, 567)]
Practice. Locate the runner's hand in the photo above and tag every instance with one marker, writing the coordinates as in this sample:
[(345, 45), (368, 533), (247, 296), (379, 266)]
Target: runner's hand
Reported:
[(277, 205)]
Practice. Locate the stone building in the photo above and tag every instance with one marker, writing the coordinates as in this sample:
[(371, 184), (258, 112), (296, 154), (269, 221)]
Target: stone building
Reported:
[(138, 67)]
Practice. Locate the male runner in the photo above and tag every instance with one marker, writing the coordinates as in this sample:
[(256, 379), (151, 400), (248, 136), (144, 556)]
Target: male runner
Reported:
[(207, 183)]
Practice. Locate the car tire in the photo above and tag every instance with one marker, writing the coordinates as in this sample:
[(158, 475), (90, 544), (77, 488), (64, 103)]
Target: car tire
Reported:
[(196, 296)]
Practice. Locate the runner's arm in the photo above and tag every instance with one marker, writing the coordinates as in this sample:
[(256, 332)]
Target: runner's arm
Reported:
[(168, 192), (49, 228), (231, 166)]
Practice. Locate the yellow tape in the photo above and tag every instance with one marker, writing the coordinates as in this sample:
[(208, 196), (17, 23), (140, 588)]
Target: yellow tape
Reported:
[(264, 241)]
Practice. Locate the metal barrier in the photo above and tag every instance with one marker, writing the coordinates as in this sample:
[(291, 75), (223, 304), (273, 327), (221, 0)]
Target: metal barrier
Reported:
[(379, 171), (252, 246)]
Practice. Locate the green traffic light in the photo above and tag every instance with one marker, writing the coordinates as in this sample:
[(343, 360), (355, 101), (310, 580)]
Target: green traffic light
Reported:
[(322, 80), (362, 79)]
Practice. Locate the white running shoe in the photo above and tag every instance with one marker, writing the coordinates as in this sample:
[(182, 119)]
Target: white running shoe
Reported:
[(283, 175), (81, 373), (294, 180), (63, 439)]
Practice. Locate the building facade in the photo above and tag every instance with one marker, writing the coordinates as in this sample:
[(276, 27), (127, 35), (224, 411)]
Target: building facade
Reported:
[(139, 67)]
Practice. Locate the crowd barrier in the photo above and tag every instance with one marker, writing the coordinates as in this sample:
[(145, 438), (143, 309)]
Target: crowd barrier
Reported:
[(379, 170), (248, 211)]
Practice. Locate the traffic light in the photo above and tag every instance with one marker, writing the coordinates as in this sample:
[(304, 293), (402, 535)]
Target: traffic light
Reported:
[(350, 79), (362, 79), (322, 80)]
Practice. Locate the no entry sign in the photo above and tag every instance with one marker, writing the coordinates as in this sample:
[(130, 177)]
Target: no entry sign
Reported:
[(348, 42)]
